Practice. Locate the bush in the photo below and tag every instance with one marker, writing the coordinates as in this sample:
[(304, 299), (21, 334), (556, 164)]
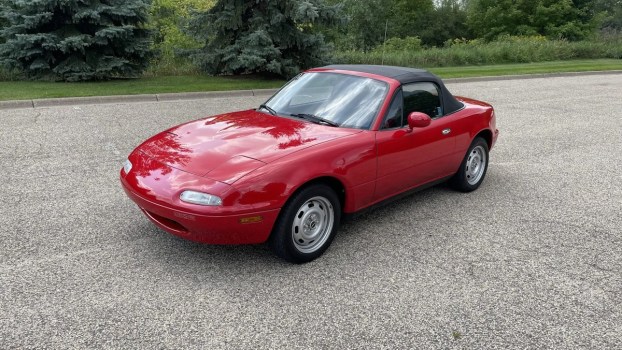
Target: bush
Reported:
[(502, 51), (407, 44), (8, 75)]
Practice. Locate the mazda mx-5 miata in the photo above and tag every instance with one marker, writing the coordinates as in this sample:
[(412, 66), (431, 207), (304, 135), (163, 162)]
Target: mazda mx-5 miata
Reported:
[(333, 141)]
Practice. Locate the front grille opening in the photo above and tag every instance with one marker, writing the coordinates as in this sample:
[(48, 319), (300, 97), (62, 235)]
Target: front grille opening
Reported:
[(171, 224)]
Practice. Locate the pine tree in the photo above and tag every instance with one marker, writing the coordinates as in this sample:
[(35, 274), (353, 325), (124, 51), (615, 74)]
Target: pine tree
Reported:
[(262, 36), (3, 21), (75, 40)]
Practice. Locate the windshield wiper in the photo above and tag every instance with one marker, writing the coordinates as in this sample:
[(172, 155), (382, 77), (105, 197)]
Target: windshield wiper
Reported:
[(315, 119), (269, 109)]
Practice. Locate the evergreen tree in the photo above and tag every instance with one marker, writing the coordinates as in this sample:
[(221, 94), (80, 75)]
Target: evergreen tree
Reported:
[(261, 36), (76, 40), (3, 21)]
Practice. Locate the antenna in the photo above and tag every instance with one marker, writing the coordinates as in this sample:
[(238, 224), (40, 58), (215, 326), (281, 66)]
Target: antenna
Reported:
[(384, 43)]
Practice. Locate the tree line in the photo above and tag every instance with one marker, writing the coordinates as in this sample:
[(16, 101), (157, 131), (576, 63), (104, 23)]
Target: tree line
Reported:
[(437, 22), (76, 40)]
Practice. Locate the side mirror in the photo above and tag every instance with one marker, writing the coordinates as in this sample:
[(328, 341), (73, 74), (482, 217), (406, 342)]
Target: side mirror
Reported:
[(418, 120)]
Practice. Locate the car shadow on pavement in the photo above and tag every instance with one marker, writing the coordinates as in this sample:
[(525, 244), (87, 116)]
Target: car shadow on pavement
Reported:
[(394, 224)]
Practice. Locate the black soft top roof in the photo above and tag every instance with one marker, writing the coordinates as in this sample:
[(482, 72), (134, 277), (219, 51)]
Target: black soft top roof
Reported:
[(406, 75)]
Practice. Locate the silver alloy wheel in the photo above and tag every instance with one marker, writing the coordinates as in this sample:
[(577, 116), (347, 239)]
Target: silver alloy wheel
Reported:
[(475, 165), (313, 224)]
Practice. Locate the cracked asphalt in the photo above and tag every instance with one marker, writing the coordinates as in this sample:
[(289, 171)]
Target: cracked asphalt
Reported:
[(533, 259)]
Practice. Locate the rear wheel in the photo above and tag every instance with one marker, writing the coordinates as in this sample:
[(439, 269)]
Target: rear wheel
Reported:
[(473, 168), (307, 224)]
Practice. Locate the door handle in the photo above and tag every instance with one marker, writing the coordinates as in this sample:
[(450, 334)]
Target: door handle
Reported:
[(446, 131)]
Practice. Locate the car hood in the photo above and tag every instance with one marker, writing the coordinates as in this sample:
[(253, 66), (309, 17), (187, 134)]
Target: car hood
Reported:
[(228, 146)]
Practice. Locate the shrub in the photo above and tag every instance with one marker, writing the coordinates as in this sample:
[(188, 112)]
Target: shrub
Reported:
[(8, 75), (504, 50), (407, 44)]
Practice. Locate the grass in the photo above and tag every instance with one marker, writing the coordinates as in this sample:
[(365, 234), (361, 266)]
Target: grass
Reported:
[(25, 90), (529, 68)]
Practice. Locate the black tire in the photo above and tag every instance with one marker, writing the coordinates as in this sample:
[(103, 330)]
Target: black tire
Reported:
[(307, 224), (469, 177)]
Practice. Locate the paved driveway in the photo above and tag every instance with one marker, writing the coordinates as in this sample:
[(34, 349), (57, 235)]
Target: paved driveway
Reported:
[(533, 259)]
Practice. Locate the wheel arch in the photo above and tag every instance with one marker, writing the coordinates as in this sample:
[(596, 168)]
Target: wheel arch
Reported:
[(486, 134), (334, 183)]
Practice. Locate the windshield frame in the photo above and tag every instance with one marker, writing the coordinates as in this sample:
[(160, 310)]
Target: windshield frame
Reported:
[(373, 120)]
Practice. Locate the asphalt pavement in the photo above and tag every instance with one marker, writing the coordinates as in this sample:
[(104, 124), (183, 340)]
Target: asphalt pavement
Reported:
[(532, 260)]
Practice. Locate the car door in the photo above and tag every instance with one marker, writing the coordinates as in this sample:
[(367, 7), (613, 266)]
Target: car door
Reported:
[(408, 158)]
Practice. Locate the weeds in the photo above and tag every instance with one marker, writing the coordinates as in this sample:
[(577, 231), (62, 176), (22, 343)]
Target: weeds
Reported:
[(503, 51)]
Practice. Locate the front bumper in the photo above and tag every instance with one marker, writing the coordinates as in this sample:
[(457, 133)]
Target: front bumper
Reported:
[(193, 222)]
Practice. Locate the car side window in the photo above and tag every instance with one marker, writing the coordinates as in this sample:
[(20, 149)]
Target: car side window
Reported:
[(422, 97), (395, 116)]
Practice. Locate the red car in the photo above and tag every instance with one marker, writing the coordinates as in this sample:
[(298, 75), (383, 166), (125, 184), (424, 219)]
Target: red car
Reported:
[(333, 141)]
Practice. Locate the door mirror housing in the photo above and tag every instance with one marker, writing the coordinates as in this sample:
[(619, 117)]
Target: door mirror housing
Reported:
[(418, 120)]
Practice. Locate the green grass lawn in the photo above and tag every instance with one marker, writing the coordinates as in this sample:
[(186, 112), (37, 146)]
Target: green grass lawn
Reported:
[(25, 90), (529, 68)]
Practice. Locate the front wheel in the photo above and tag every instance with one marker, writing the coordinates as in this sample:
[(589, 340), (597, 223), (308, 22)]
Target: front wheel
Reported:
[(473, 169), (307, 224)]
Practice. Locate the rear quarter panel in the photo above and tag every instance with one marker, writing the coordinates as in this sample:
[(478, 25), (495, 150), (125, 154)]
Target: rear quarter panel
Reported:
[(475, 117)]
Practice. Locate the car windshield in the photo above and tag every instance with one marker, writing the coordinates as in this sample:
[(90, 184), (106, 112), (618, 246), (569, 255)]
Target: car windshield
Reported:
[(331, 99)]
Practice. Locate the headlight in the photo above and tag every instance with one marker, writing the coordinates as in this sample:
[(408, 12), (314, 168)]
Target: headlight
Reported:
[(127, 166), (199, 198)]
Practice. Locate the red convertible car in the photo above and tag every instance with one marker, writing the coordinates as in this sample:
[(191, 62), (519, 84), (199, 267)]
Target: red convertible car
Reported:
[(333, 141)]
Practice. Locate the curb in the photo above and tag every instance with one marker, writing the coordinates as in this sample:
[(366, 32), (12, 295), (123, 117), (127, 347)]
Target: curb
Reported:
[(185, 96), (72, 101)]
